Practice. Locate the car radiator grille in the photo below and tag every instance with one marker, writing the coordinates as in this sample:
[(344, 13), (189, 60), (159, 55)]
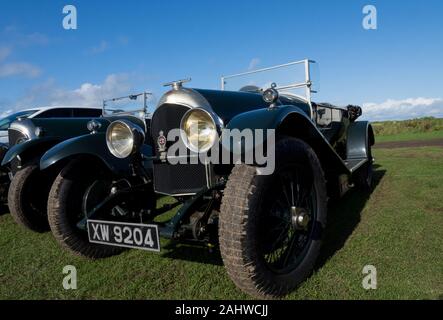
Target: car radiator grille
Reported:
[(178, 179), (166, 118)]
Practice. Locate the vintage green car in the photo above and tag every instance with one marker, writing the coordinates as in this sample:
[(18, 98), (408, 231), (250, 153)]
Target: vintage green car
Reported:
[(34, 132), (253, 167)]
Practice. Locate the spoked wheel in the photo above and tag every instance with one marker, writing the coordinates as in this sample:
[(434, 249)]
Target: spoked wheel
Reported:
[(271, 226), (287, 227), (77, 188)]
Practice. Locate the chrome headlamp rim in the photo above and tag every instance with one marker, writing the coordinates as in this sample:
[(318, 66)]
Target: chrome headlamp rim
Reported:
[(215, 121), (135, 133)]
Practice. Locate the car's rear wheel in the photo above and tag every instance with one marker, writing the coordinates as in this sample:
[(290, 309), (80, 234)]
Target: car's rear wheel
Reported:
[(66, 208), (27, 198), (271, 226)]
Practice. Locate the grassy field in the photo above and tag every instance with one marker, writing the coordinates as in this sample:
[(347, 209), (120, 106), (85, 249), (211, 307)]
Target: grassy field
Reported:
[(407, 136), (416, 129), (397, 228)]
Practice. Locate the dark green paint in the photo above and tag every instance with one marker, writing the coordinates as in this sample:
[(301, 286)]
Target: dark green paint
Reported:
[(295, 122), (228, 104), (29, 148), (66, 127), (91, 145), (360, 138), (54, 131)]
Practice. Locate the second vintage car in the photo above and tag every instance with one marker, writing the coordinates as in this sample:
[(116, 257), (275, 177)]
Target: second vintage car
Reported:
[(34, 132)]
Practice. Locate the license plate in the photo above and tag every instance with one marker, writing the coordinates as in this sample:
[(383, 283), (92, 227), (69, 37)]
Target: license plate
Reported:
[(124, 234)]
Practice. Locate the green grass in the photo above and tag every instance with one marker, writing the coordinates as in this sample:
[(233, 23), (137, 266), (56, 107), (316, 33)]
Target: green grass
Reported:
[(415, 129), (407, 136), (398, 228), (426, 124)]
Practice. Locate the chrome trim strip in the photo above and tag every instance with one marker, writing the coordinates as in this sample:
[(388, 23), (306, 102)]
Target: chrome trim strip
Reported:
[(25, 126), (189, 98), (176, 195), (358, 165)]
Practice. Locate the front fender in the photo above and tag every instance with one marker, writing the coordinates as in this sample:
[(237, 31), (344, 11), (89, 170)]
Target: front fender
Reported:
[(292, 121), (266, 118), (28, 147), (89, 144)]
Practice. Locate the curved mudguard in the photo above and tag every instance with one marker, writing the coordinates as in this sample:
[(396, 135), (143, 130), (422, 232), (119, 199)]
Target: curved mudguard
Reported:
[(29, 147), (293, 121), (360, 138), (3, 150), (92, 145)]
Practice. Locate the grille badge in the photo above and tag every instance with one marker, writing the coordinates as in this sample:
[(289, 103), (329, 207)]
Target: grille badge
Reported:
[(161, 142)]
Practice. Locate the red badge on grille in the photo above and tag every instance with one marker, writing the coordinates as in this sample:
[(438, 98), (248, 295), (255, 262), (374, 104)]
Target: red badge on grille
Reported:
[(161, 141)]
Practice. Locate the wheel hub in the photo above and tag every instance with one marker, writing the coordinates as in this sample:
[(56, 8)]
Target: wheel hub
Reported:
[(299, 218)]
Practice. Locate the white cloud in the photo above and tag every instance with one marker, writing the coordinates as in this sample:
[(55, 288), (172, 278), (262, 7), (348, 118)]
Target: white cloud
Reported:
[(101, 47), (403, 109), (32, 39), (4, 52), (253, 63), (6, 113), (122, 40), (19, 69), (105, 45), (18, 40), (17, 37), (87, 94)]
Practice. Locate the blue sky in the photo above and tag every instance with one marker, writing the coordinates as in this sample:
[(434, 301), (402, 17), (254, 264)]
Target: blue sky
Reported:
[(128, 46)]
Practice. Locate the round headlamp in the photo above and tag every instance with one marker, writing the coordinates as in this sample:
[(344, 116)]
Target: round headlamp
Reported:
[(270, 95), (198, 130), (124, 138)]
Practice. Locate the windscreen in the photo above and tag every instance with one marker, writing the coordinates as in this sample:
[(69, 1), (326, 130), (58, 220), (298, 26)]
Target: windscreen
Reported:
[(136, 105), (6, 121), (291, 77)]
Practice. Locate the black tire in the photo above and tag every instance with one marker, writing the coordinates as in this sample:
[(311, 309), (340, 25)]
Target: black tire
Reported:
[(65, 206), (27, 198), (244, 229)]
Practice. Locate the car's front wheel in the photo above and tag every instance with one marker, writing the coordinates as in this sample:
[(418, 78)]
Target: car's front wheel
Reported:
[(27, 196), (271, 226), (66, 210)]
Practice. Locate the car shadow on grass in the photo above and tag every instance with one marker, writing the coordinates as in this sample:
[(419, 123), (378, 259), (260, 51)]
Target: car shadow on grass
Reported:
[(193, 253), (343, 217), (4, 209)]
